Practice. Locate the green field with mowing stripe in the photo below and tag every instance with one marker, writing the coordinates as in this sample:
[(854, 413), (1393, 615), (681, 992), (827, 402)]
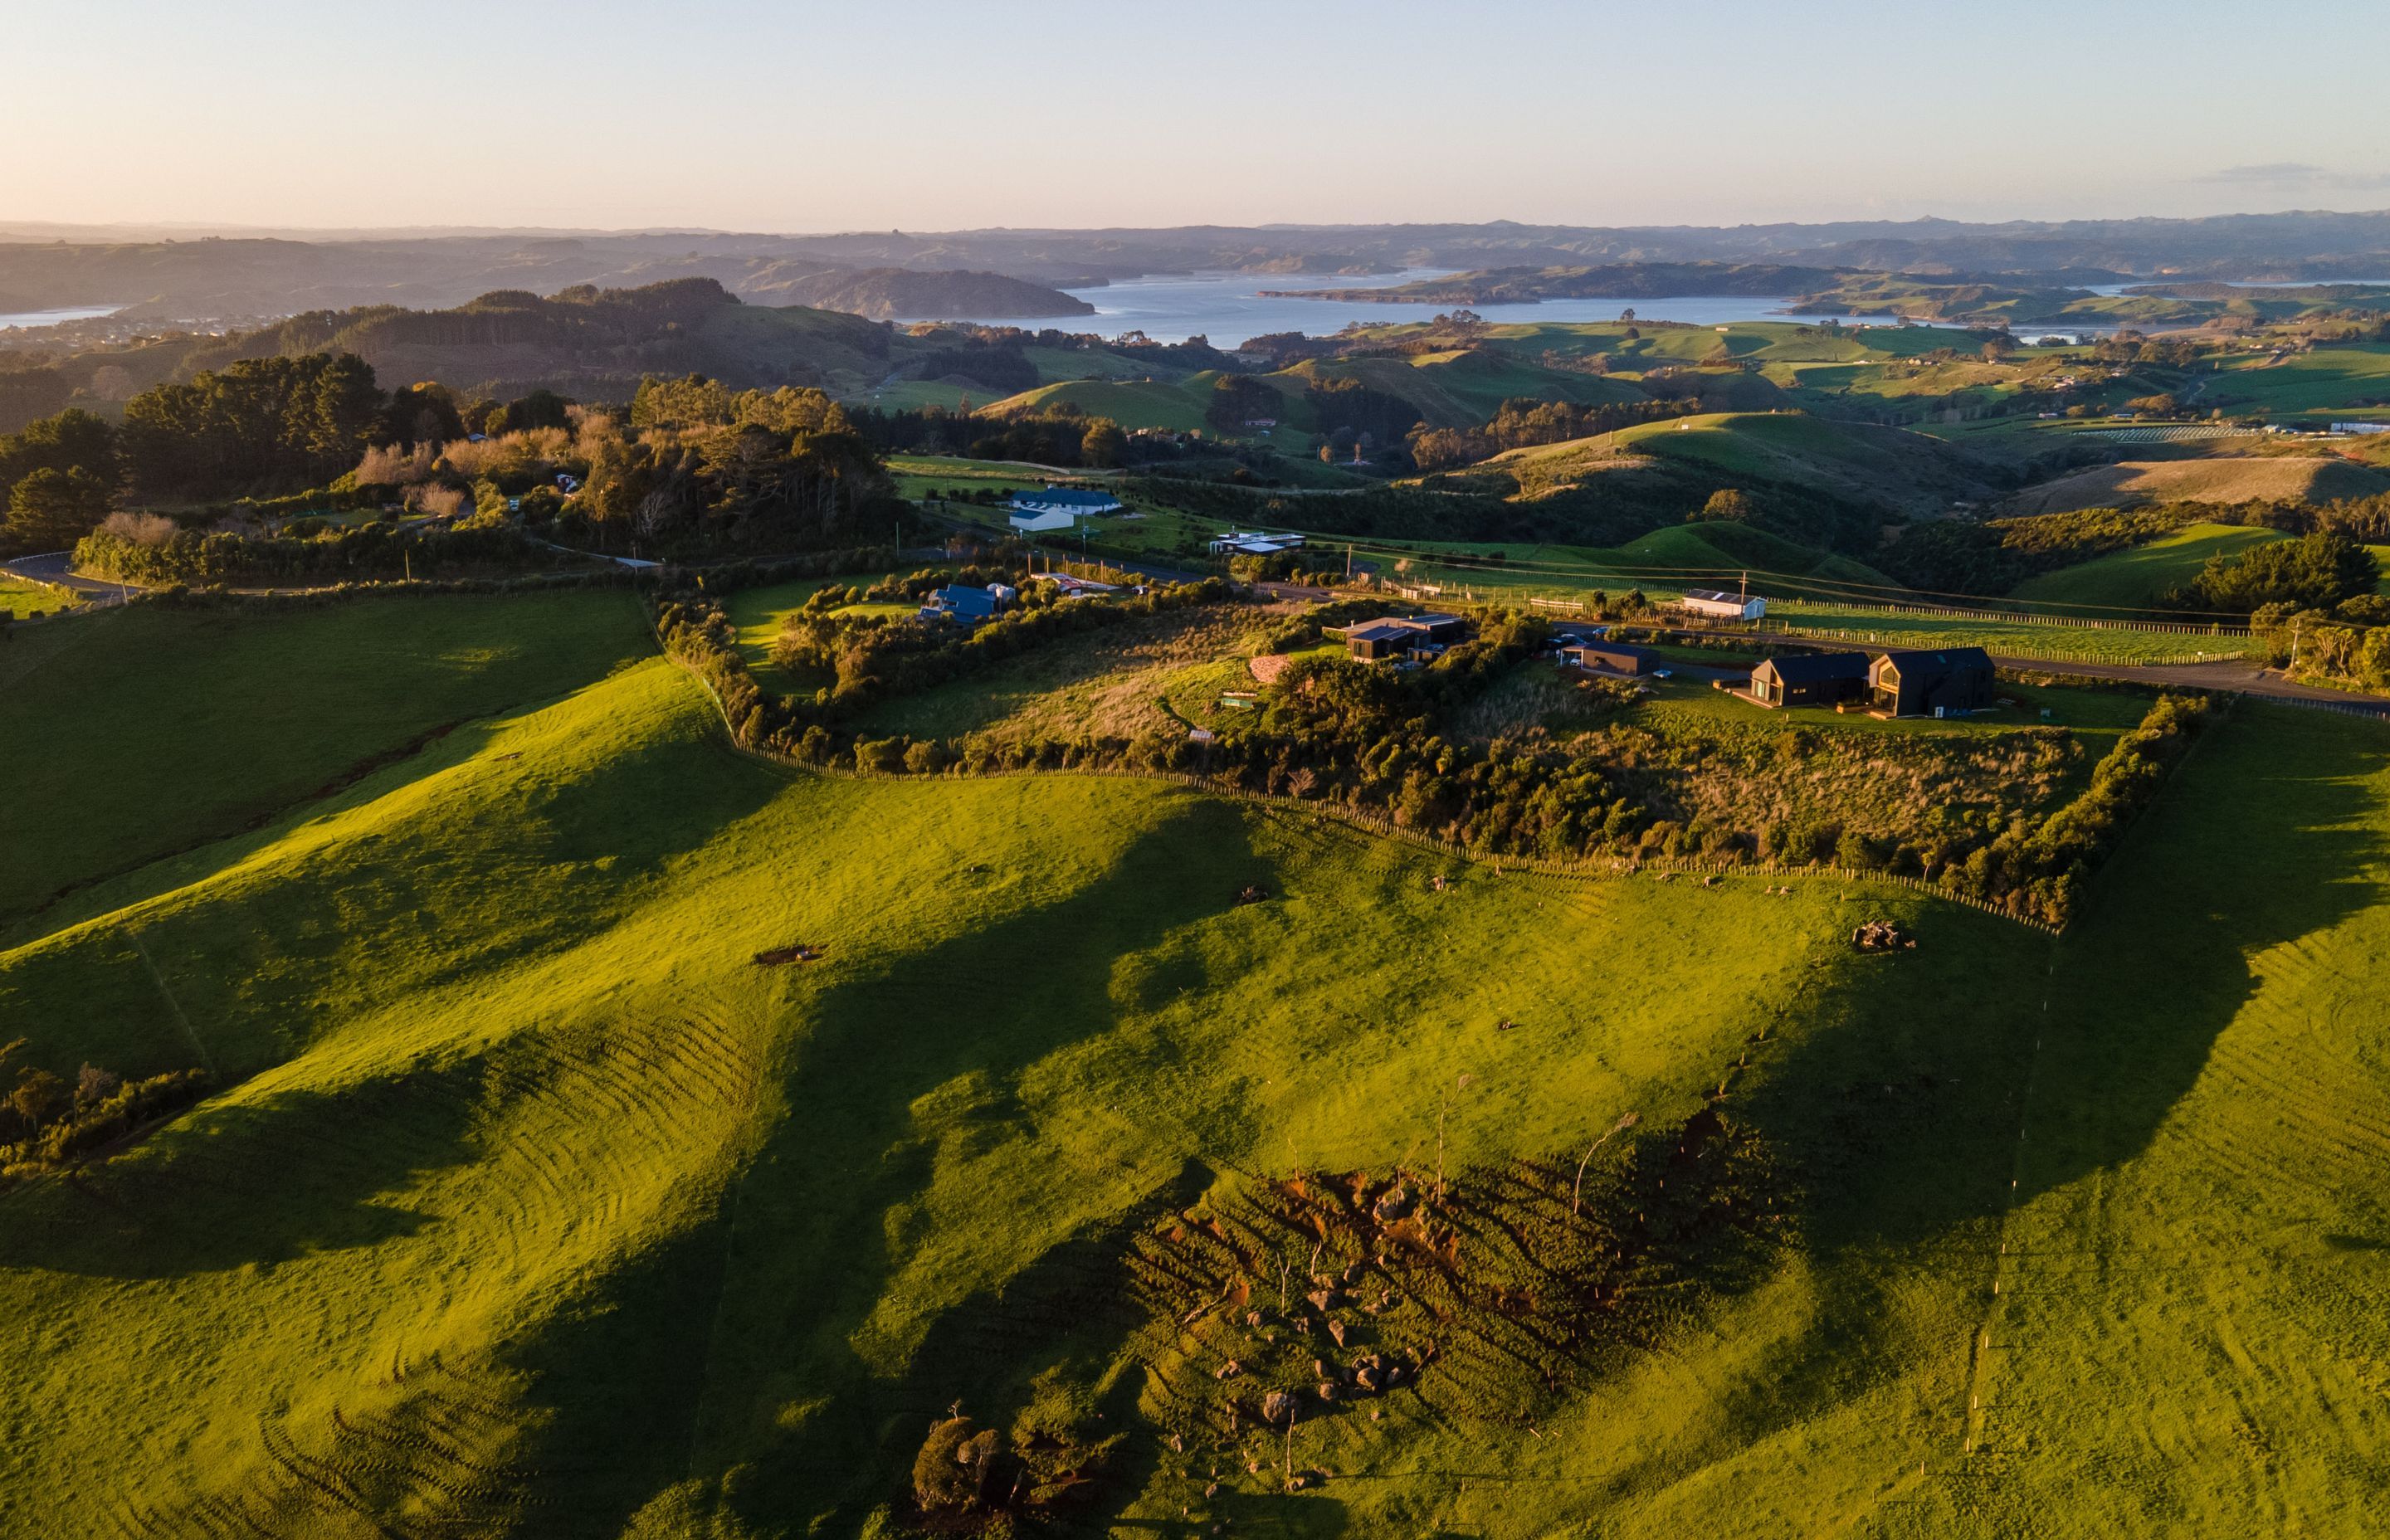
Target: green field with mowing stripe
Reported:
[(529, 1204)]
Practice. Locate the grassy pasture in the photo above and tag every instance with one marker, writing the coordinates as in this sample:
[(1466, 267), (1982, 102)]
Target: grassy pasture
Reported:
[(2024, 639), (2221, 479), (2134, 578), (1131, 404), (534, 1207), (130, 733), (2317, 381), (25, 599), (668, 1221)]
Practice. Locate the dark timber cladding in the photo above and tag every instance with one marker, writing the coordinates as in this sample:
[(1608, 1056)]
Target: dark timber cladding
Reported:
[(1810, 680), (1379, 639), (1615, 657), (1931, 684)]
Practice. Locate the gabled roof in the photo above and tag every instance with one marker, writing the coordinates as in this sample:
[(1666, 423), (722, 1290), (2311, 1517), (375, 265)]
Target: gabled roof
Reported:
[(970, 601), (1809, 668), (1944, 659), (1380, 630), (1617, 650), (1713, 596), (1067, 498)]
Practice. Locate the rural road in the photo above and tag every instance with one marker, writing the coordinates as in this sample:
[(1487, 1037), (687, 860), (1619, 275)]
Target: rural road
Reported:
[(52, 569)]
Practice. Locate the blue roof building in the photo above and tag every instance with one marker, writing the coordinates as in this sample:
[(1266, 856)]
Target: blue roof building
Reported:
[(969, 606)]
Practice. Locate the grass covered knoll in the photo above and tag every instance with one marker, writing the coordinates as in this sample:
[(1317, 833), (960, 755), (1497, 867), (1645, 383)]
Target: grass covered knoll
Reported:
[(2190, 1334), (2139, 577), (2223, 479), (131, 732), (581, 1222), (535, 1206), (1873, 464)]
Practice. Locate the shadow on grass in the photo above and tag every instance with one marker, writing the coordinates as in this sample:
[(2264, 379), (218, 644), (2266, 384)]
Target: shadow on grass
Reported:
[(289, 1175), (814, 1255), (1902, 1120)]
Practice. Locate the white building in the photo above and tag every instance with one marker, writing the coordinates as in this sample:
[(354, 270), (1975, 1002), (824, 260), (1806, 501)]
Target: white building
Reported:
[(1729, 606), (1059, 508)]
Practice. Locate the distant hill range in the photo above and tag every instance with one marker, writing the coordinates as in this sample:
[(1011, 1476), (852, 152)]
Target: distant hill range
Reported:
[(224, 277), (221, 281)]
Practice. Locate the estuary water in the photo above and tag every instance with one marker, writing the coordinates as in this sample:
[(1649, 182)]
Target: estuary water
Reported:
[(54, 317), (1230, 309)]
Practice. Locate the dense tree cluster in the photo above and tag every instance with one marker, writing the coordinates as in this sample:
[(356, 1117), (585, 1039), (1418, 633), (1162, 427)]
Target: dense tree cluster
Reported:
[(1519, 423), (47, 1122), (2314, 571)]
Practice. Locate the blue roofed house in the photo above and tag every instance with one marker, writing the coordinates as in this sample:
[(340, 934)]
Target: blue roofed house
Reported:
[(956, 602), (1058, 507)]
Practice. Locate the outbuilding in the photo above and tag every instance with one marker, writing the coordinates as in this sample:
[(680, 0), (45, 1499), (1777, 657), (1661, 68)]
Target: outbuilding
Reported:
[(1615, 657), (1950, 682), (1810, 680), (1723, 607), (1058, 507)]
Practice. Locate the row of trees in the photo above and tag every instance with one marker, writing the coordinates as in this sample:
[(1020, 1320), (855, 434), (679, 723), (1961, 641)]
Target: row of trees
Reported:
[(2314, 571), (1522, 422)]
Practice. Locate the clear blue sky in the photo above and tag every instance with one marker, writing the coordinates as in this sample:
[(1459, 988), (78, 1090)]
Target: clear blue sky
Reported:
[(925, 114)]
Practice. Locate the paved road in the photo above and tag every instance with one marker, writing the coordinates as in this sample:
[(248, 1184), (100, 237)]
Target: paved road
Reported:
[(52, 569)]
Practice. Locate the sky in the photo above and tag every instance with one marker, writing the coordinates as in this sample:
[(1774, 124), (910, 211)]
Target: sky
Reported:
[(940, 114)]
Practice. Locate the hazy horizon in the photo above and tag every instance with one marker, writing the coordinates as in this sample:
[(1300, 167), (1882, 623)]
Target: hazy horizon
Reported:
[(1074, 117)]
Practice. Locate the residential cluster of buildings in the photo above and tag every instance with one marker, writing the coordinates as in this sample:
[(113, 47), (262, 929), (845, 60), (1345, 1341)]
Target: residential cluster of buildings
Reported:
[(1926, 682)]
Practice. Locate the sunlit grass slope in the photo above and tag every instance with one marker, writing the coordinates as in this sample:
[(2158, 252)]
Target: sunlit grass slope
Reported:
[(131, 732), (2139, 577), (516, 1102), (2194, 1313), (535, 1206)]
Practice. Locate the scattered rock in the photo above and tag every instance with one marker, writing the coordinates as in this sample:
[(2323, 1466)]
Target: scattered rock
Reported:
[(1354, 1274), (779, 956), (1396, 1202), (1323, 1300), (1710, 881), (1336, 1329), (1229, 1370), (1327, 1389), (1277, 1407), (1254, 1318), (1253, 893), (1881, 935)]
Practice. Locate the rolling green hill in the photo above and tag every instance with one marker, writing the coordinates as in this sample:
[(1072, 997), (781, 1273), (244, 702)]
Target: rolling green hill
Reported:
[(2134, 578), (1852, 460), (532, 1204), (2220, 478), (1130, 402), (141, 731)]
